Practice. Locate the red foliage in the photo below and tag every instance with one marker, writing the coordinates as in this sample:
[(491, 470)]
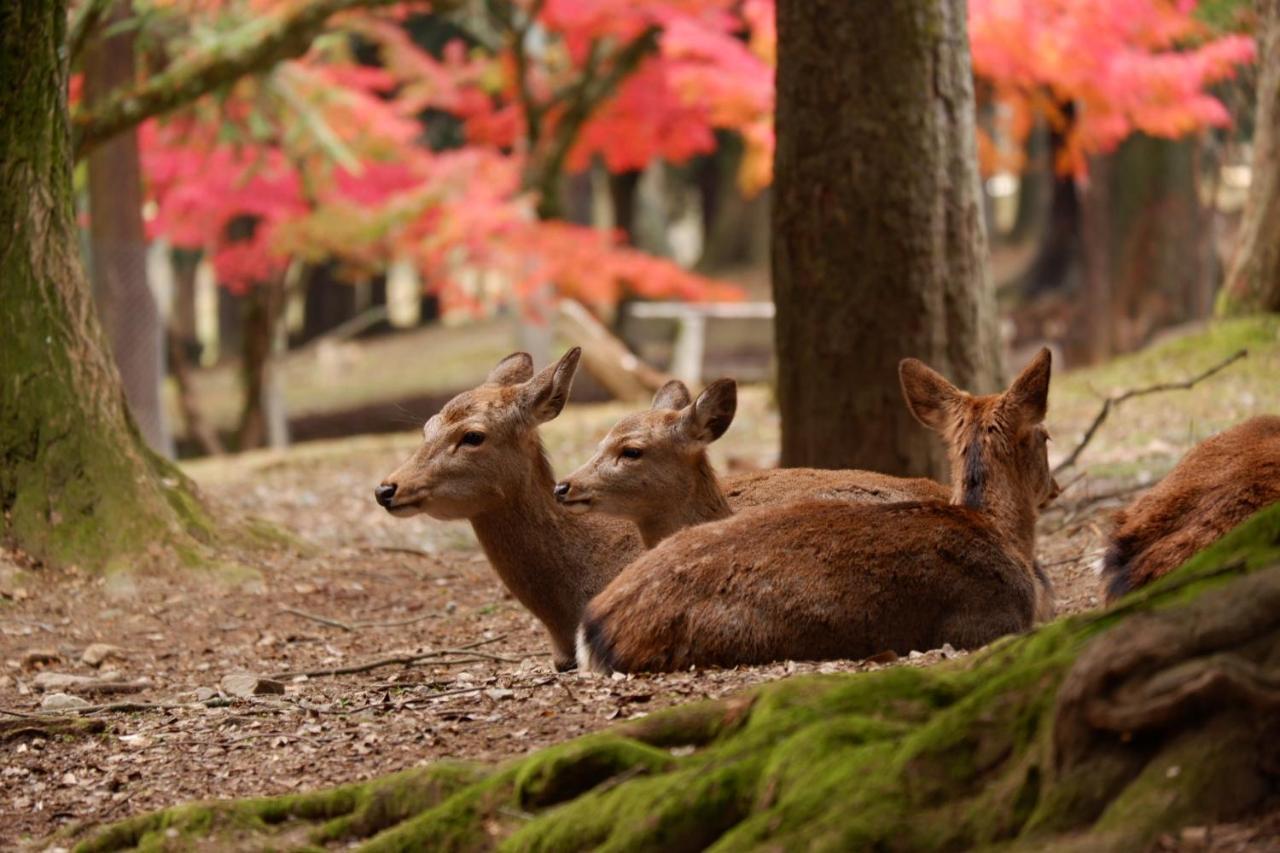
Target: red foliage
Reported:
[(1128, 65)]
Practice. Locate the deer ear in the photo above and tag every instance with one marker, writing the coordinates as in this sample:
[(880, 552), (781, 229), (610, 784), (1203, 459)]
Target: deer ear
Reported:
[(929, 395), (512, 370), (546, 393), (713, 411), (1029, 393), (673, 395)]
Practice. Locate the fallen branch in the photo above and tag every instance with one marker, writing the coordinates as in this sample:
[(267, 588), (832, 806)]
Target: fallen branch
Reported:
[(402, 660), (1113, 401), (122, 707)]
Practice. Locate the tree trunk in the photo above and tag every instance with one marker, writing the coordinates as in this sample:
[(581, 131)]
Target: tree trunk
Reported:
[(76, 482), (1104, 731), (1254, 281), (879, 246), (1144, 238), (118, 244)]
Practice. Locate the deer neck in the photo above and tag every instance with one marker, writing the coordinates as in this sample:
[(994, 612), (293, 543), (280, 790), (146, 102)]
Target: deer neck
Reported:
[(543, 554), (705, 502), (1010, 512)]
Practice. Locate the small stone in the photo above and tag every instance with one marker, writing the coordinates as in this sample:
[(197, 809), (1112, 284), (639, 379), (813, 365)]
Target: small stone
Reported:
[(97, 653), (948, 651), (62, 702), (499, 693), (204, 694), (59, 681), (1172, 772), (38, 657), (245, 684), (451, 607), (69, 779), (1198, 835), (915, 655)]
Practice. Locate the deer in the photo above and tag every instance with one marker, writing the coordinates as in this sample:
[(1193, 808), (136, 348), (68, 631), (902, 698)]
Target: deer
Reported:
[(819, 579), (482, 459), (1215, 486), (652, 469)]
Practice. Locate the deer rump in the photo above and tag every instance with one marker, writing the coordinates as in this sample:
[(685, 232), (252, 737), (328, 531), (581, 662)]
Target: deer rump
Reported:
[(770, 584)]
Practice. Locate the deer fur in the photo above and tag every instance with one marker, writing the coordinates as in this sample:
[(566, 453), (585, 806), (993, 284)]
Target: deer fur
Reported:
[(1218, 484), (552, 560), (825, 579), (652, 469)]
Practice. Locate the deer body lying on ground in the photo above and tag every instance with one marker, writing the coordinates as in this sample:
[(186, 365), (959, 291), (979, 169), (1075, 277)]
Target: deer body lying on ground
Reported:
[(824, 579), (652, 469), (1218, 484), (481, 459)]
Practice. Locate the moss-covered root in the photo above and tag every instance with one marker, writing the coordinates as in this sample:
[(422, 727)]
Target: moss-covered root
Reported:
[(296, 820), (1094, 733)]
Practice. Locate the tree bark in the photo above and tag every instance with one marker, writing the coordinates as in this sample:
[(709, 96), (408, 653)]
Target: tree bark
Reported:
[(76, 482), (1144, 236), (879, 245), (118, 244), (1253, 283)]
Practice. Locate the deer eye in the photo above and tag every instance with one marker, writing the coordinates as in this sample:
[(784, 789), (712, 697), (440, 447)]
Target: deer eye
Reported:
[(472, 438), (631, 453)]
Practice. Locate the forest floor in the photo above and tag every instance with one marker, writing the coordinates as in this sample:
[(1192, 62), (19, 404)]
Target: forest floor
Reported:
[(360, 587)]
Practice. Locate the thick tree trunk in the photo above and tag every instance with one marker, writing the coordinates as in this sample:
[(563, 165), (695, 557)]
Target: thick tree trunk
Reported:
[(879, 247), (1145, 235), (76, 482), (118, 245), (1253, 283), (1103, 731)]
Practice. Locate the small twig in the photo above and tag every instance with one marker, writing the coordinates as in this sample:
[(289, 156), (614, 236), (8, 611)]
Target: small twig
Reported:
[(355, 626), (323, 620), (399, 549), (1111, 402), (403, 660)]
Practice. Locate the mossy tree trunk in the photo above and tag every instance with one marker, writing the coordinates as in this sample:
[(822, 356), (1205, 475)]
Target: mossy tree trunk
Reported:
[(1253, 284), (879, 248), (77, 484), (1098, 732)]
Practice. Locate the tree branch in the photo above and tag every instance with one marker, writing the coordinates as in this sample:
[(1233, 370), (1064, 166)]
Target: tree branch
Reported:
[(254, 48), (584, 97), (1111, 402), (84, 23)]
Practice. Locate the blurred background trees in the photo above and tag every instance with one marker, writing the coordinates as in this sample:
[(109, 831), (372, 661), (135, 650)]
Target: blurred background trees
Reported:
[(333, 211)]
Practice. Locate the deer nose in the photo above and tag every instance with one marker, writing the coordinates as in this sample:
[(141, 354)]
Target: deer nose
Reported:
[(384, 493), (562, 490)]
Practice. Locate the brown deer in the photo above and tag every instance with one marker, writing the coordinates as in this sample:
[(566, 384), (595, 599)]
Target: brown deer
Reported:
[(1218, 484), (481, 459), (652, 469), (826, 579)]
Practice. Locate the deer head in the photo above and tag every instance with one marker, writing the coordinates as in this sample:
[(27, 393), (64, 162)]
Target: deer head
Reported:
[(483, 446), (996, 443), (652, 467)]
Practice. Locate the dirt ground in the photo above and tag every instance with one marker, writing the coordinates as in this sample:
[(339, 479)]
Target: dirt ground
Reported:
[(364, 587)]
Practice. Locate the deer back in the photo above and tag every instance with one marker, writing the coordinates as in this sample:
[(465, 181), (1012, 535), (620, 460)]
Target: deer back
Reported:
[(1215, 486)]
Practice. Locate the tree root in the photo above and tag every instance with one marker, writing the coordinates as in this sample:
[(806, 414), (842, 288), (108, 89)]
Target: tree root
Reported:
[(1095, 732)]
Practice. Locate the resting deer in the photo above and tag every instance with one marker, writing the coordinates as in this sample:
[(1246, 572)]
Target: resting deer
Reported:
[(826, 579), (652, 468), (481, 459), (1218, 484)]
